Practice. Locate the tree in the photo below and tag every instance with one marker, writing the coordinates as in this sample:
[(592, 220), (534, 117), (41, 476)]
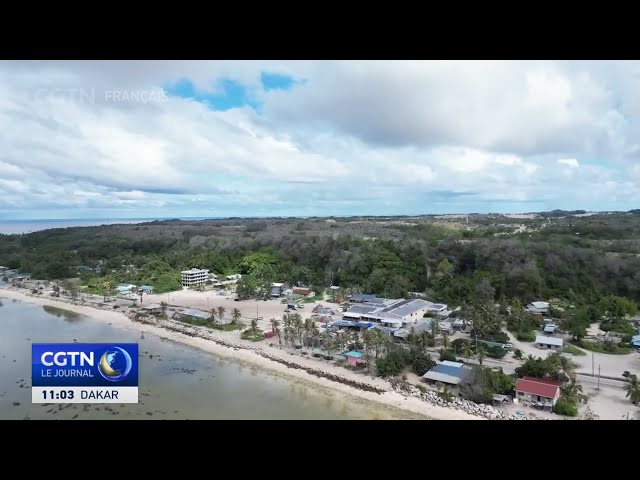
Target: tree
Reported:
[(445, 340), (254, 326), (435, 328), (482, 383), (235, 316), (482, 353), (214, 313), (422, 363), (163, 307), (221, 311), (467, 351), (633, 389), (107, 289)]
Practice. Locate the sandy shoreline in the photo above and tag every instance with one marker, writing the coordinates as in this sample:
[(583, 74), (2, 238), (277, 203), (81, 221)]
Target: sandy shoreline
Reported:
[(389, 398)]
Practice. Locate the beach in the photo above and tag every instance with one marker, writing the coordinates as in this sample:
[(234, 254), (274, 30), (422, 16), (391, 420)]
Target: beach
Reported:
[(256, 354)]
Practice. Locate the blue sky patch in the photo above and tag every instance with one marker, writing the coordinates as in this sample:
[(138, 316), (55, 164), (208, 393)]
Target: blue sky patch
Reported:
[(234, 94), (276, 81)]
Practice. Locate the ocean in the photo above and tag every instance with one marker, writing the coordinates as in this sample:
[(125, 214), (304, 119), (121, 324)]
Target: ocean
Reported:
[(10, 227), (176, 381)]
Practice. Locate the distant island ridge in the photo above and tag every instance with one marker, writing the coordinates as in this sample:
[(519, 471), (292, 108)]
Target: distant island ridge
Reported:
[(29, 225)]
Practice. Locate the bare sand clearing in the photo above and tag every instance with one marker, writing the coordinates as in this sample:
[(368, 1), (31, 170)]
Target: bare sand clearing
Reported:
[(209, 300), (390, 399)]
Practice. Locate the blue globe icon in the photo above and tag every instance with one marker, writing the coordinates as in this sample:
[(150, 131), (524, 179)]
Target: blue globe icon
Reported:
[(115, 364)]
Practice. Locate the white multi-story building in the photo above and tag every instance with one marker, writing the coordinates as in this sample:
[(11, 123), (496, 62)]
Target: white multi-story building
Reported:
[(195, 276)]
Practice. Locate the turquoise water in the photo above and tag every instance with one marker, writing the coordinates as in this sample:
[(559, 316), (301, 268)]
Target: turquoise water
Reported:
[(176, 381)]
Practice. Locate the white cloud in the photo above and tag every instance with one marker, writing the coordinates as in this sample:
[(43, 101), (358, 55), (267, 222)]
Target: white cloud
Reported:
[(353, 135), (572, 162)]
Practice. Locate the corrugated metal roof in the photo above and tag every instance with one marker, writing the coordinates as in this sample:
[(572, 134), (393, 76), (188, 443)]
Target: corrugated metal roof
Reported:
[(448, 370), (536, 387), (555, 341), (442, 377), (192, 312), (451, 364)]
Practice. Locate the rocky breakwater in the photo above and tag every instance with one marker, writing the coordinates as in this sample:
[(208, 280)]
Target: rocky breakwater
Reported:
[(487, 411)]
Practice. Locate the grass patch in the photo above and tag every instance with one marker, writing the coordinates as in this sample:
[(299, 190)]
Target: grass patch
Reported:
[(529, 336), (226, 327), (309, 300), (572, 349), (603, 348), (249, 334)]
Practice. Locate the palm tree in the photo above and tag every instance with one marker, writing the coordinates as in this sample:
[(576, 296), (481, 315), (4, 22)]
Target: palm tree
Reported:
[(445, 340), (235, 316), (572, 390), (566, 366), (254, 325), (633, 389), (467, 351), (379, 339), (308, 327), (221, 311), (315, 335), (328, 344), (435, 327), (107, 289), (423, 340), (297, 325), (275, 324), (213, 315), (367, 340), (481, 354), (163, 307)]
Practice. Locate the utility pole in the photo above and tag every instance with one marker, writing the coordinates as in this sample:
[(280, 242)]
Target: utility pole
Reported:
[(598, 376), (593, 365)]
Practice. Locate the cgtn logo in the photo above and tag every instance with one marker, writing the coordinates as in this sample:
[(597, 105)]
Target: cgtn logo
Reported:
[(85, 373)]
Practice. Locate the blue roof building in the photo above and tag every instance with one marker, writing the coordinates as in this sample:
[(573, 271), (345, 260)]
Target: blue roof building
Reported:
[(451, 373)]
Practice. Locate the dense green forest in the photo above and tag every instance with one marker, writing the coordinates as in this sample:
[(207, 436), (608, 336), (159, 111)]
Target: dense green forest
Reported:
[(578, 258)]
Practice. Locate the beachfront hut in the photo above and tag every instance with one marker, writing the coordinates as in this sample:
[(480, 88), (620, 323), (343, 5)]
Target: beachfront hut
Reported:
[(354, 358), (153, 308), (145, 289)]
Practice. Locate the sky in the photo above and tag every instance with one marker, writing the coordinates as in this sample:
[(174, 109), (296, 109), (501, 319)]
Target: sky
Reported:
[(169, 139)]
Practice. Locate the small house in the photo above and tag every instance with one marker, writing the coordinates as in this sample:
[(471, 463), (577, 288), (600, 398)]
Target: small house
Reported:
[(451, 373), (192, 313), (538, 308), (354, 358), (363, 298), (145, 289), (125, 287), (278, 289), (543, 341), (541, 392), (153, 308), (305, 292), (549, 328)]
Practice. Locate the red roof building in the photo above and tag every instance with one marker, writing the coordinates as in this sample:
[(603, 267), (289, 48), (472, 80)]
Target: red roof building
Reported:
[(538, 391), (302, 291)]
